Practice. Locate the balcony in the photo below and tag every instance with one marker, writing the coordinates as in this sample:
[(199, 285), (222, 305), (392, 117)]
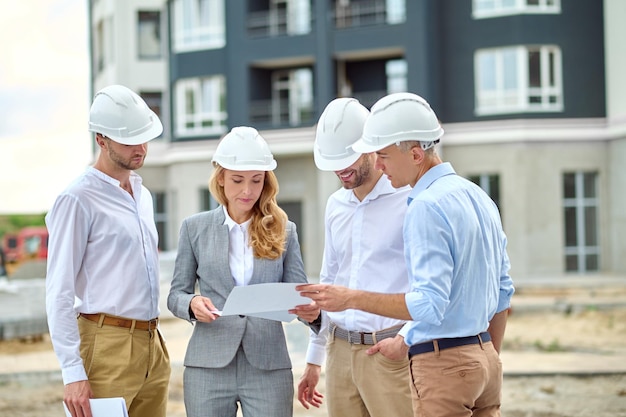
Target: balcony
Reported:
[(279, 22), (281, 113), (348, 14)]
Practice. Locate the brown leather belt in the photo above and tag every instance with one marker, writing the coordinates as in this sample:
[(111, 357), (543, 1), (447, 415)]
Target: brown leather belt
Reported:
[(121, 321)]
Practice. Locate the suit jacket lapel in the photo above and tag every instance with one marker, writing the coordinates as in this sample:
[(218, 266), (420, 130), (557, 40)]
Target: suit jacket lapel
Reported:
[(258, 268), (221, 239)]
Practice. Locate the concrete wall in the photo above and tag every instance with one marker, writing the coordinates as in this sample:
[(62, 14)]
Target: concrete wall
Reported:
[(615, 33), (121, 31), (532, 196)]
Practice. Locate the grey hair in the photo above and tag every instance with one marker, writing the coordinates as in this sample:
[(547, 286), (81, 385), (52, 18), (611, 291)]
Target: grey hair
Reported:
[(407, 145)]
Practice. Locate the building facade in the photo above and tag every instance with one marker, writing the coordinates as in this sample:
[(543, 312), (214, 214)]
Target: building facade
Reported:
[(529, 92), (127, 47)]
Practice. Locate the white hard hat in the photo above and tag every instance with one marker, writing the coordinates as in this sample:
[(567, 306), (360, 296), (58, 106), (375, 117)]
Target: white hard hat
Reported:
[(120, 114), (339, 126), (396, 118), (244, 149)]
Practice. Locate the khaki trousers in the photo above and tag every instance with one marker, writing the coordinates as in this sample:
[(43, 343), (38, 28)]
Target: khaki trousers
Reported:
[(362, 385), (129, 363), (457, 382)]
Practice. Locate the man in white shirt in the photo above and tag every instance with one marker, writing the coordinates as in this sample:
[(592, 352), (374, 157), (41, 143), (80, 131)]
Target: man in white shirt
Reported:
[(363, 250), (102, 284)]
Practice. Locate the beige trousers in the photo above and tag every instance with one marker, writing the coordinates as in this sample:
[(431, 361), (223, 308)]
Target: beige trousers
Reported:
[(462, 381), (133, 364), (362, 385)]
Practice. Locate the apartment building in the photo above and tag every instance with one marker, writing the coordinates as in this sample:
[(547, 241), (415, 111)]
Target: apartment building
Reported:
[(127, 47), (529, 92)]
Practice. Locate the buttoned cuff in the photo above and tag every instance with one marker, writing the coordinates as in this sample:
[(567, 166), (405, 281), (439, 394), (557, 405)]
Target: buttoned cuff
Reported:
[(316, 354), (73, 374)]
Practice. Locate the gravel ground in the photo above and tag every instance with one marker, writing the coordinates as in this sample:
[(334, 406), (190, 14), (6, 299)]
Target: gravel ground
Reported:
[(602, 332)]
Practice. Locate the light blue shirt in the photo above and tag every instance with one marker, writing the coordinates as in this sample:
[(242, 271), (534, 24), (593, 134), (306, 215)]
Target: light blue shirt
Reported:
[(455, 250)]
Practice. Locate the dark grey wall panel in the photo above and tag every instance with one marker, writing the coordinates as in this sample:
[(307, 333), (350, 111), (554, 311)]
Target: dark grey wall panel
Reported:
[(577, 31)]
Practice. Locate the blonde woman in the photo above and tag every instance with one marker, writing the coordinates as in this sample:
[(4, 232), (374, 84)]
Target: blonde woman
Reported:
[(248, 240)]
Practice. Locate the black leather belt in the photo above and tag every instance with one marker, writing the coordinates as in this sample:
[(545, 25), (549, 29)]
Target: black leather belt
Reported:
[(362, 338), (448, 343)]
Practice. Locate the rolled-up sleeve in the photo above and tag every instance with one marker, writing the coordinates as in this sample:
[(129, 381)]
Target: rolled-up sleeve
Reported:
[(506, 282)]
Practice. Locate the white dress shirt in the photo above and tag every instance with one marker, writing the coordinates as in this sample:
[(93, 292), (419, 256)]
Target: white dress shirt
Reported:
[(102, 258), (240, 253), (363, 250)]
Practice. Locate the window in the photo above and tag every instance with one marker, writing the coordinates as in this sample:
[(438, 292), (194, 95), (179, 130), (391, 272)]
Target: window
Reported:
[(396, 11), (491, 184), (370, 79), (292, 96), (283, 17), (518, 79), (207, 202), (198, 24), (103, 45), (396, 70), (493, 8), (354, 13), (153, 100), (298, 16), (160, 218), (98, 47), (580, 205), (201, 106), (149, 35)]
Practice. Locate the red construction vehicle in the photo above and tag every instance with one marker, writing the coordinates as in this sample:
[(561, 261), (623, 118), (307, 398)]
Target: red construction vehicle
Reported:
[(27, 244)]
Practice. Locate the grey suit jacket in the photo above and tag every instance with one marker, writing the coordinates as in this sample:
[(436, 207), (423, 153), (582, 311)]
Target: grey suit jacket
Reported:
[(203, 259)]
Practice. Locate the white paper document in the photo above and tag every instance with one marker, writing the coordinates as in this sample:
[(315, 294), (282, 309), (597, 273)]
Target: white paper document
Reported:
[(105, 407), (268, 301)]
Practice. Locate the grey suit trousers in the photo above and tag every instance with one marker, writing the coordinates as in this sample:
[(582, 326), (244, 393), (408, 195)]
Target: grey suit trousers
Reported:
[(215, 392)]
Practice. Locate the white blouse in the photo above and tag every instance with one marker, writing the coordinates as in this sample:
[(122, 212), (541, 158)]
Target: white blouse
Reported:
[(240, 253)]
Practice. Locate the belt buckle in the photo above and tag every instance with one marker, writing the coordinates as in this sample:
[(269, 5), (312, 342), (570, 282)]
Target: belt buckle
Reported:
[(352, 337), (356, 338)]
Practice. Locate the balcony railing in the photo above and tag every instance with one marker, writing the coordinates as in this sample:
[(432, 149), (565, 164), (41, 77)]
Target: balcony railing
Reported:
[(368, 12), (272, 23), (280, 113)]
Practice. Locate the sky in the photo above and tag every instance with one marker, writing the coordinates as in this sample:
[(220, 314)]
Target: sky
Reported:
[(44, 101)]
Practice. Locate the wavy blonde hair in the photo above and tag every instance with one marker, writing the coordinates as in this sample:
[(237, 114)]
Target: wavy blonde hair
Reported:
[(267, 228)]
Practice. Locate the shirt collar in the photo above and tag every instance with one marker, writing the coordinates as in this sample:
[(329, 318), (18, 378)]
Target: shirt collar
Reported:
[(134, 177), (231, 223), (432, 175), (382, 187)]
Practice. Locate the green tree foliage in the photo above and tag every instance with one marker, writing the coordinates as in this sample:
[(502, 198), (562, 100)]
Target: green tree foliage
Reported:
[(15, 222)]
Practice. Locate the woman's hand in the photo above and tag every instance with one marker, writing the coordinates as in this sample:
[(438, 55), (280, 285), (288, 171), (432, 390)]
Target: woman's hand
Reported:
[(203, 309)]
